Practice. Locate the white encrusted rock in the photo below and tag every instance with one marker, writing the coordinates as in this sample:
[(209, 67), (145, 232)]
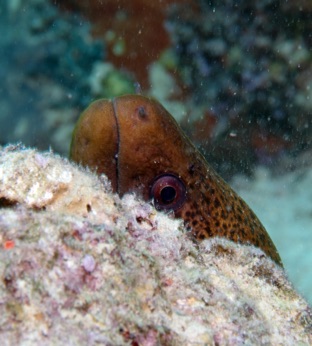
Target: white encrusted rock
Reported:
[(79, 266)]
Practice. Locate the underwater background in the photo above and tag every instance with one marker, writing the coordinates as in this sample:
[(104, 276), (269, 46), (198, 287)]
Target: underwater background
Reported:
[(236, 76)]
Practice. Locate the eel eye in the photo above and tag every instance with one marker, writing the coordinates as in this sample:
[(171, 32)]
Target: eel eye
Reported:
[(168, 192)]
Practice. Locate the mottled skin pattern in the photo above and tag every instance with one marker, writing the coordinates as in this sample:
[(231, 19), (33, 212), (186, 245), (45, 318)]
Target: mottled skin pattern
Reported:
[(143, 141)]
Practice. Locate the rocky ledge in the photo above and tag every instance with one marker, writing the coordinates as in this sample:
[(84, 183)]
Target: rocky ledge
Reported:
[(80, 266)]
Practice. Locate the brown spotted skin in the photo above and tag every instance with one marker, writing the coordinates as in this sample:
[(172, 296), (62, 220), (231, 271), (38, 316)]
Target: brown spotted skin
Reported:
[(143, 141)]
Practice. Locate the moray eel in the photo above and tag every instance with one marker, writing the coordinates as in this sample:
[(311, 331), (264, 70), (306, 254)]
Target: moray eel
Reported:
[(140, 147)]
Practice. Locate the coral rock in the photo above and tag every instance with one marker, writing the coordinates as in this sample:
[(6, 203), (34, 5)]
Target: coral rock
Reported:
[(134, 31), (80, 266)]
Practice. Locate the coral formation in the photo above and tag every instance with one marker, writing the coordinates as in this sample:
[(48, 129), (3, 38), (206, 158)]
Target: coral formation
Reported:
[(107, 81), (248, 65), (133, 31), (80, 266), (48, 57)]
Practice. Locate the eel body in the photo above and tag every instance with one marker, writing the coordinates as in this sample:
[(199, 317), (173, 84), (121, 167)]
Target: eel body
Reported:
[(140, 147)]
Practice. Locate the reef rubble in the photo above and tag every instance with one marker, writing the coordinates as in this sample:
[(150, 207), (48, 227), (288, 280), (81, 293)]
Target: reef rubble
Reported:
[(80, 266)]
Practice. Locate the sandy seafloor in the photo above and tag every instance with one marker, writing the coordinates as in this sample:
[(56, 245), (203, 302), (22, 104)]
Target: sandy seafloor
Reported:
[(284, 206)]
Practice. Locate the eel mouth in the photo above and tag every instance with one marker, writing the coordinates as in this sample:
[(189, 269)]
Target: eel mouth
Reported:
[(116, 157)]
